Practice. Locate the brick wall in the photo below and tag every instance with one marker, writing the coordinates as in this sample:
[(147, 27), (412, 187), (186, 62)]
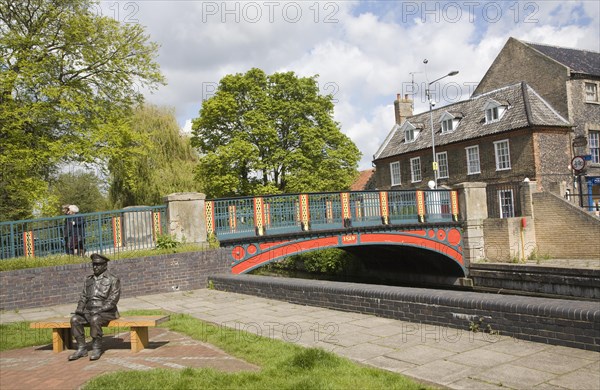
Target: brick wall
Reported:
[(558, 282), (58, 285), (504, 241), (554, 321), (564, 230), (522, 162)]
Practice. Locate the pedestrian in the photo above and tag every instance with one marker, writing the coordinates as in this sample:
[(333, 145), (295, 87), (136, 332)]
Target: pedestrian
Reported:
[(74, 231), (96, 307)]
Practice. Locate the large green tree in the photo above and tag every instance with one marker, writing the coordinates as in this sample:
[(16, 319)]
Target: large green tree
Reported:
[(67, 75), (154, 159), (264, 134)]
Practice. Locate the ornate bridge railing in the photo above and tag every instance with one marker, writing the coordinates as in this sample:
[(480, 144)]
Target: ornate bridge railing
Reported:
[(102, 232), (235, 218)]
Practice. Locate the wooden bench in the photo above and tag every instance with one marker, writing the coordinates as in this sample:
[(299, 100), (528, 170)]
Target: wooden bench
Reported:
[(61, 330)]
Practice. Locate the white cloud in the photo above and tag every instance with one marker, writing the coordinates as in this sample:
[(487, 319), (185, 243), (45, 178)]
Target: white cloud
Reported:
[(364, 52)]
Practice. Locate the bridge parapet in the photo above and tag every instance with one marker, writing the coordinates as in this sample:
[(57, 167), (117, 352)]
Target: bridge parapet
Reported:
[(244, 217)]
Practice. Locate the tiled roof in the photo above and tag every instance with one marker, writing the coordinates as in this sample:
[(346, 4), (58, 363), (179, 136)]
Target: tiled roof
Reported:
[(526, 108), (579, 61), (361, 183)]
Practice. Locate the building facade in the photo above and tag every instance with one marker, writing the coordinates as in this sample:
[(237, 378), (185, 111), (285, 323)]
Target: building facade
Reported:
[(568, 79), (502, 137)]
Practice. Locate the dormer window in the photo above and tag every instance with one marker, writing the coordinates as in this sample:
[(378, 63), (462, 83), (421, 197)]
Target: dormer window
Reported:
[(447, 126), (491, 114), (410, 132), (449, 121), (494, 111)]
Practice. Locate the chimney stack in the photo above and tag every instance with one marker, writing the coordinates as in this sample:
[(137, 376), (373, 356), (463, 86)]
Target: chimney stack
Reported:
[(403, 108)]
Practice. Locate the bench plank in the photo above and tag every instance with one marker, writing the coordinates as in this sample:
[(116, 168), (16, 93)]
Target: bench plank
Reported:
[(61, 330)]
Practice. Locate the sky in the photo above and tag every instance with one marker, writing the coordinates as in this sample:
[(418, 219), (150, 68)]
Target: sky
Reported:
[(365, 52)]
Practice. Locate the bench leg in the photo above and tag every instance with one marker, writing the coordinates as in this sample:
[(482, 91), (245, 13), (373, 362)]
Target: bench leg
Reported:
[(139, 338), (61, 339)]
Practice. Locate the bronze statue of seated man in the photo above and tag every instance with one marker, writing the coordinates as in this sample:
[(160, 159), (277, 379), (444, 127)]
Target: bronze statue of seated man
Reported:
[(97, 306)]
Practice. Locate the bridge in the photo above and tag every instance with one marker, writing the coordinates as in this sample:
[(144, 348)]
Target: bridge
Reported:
[(421, 224)]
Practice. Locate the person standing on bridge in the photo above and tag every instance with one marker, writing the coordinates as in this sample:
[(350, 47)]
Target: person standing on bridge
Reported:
[(74, 231), (96, 307)]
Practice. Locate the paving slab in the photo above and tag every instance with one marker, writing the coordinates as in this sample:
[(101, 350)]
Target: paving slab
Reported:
[(419, 354), (514, 376), (441, 371)]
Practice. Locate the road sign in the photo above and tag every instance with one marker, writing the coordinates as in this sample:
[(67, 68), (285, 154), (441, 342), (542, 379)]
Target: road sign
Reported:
[(578, 163)]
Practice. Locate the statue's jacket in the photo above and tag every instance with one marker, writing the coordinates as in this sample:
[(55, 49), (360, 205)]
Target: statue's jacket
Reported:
[(101, 294)]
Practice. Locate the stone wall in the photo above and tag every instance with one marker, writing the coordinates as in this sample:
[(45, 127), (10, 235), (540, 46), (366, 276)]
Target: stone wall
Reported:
[(553, 321), (38, 287), (564, 230), (517, 61)]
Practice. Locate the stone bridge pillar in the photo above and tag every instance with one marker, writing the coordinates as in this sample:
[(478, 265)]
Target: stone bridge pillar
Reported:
[(472, 201), (185, 216)]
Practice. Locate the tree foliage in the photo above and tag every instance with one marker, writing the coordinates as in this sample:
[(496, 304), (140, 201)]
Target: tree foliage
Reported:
[(153, 159), (66, 75), (263, 134), (79, 188)]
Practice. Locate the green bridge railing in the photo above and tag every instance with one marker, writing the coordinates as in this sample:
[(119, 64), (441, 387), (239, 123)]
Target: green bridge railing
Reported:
[(234, 218), (102, 232)]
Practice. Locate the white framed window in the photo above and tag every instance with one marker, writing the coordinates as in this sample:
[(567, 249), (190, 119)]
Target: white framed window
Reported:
[(502, 152), (494, 111), (506, 203), (409, 135), (594, 144), (447, 126), (491, 115), (415, 169), (395, 173), (473, 166), (442, 159), (591, 92)]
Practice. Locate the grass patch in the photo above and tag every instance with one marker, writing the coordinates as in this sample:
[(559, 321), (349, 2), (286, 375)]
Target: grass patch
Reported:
[(53, 260), (283, 365), (18, 335)]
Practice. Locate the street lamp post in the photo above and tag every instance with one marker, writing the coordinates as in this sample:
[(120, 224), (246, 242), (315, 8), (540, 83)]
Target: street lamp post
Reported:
[(431, 104)]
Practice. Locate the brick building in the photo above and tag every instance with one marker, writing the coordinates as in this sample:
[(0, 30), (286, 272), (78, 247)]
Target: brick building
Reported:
[(568, 79), (500, 137)]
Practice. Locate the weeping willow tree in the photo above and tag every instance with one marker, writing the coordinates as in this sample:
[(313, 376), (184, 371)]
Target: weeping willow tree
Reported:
[(154, 159)]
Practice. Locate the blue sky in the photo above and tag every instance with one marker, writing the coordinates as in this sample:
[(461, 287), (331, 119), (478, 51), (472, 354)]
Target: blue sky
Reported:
[(363, 51)]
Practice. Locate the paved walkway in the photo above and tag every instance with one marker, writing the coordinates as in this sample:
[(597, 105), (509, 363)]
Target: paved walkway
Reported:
[(448, 357)]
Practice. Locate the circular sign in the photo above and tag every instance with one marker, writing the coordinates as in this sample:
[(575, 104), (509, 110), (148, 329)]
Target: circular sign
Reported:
[(578, 163)]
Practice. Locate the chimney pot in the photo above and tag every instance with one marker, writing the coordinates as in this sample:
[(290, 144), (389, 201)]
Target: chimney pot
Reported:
[(398, 96)]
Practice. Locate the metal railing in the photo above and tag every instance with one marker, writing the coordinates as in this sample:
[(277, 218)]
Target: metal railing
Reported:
[(585, 201), (102, 232), (504, 200), (242, 217)]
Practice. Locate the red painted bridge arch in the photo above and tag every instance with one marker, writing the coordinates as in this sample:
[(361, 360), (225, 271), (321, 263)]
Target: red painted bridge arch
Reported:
[(444, 240)]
